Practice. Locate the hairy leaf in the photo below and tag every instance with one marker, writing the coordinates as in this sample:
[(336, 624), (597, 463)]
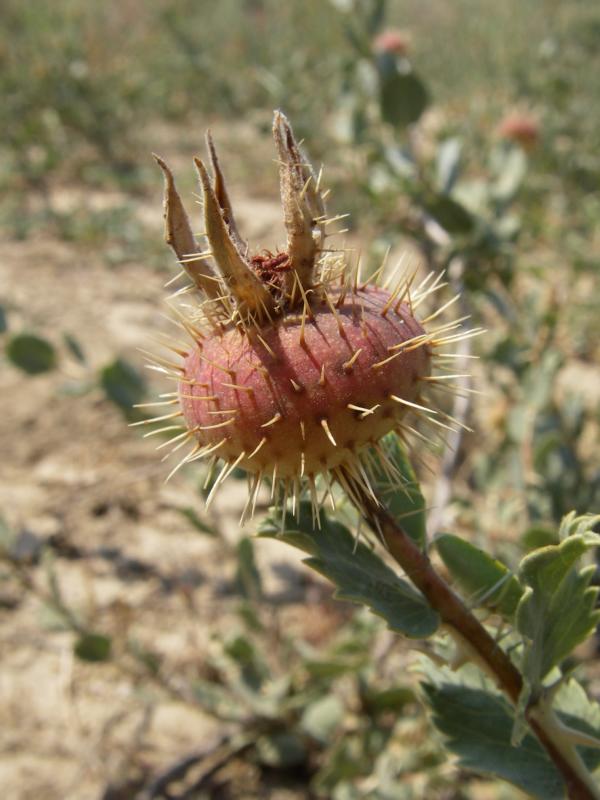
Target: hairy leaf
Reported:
[(556, 612), (487, 581), (322, 717), (358, 573), (448, 163), (477, 723)]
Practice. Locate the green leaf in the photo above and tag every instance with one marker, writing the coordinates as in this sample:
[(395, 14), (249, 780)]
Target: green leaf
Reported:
[(3, 322), (448, 163), (216, 700), (582, 714), (393, 699), (358, 573), (487, 581), (538, 536), (197, 522), (556, 612), (449, 213), (247, 576), (93, 647), (477, 723), (402, 95), (74, 347), (31, 353), (281, 750), (405, 503), (321, 718), (122, 384), (510, 165)]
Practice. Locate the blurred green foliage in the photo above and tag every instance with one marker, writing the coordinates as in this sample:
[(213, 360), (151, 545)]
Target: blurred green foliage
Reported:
[(415, 149)]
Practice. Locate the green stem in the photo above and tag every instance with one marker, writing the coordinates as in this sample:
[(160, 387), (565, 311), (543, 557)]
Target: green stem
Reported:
[(476, 640)]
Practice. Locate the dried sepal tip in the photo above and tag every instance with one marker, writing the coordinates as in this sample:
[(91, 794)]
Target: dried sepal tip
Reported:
[(251, 295), (303, 208), (179, 236)]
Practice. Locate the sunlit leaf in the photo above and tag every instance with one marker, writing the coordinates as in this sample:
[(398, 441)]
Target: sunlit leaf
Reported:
[(448, 163), (486, 581), (557, 610), (321, 718), (510, 165)]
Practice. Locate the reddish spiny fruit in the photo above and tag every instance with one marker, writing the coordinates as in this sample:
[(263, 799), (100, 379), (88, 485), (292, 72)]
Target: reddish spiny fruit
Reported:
[(296, 369)]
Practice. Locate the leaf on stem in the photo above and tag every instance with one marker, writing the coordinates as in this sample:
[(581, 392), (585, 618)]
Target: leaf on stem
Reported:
[(358, 573), (477, 723), (556, 612), (486, 581)]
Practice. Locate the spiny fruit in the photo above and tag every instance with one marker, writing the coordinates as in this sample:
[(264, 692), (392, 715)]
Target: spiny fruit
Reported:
[(296, 368)]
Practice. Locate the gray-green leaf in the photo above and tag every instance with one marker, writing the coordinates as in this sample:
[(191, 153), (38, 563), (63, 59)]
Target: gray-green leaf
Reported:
[(358, 573), (487, 581), (477, 723), (403, 96), (556, 612)]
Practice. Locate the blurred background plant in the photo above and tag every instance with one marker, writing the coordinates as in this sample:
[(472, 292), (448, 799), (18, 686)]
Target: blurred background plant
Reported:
[(469, 139)]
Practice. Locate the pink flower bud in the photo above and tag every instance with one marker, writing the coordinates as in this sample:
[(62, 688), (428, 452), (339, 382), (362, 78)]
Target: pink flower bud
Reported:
[(392, 41), (520, 127)]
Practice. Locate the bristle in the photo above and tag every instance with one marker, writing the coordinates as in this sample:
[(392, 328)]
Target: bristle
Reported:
[(328, 433), (217, 483), (258, 447), (239, 387), (183, 461), (347, 365), (156, 403), (163, 430), (156, 419), (216, 425), (410, 404), (272, 421), (440, 310)]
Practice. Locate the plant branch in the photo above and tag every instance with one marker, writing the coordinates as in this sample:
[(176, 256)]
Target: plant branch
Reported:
[(474, 638)]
